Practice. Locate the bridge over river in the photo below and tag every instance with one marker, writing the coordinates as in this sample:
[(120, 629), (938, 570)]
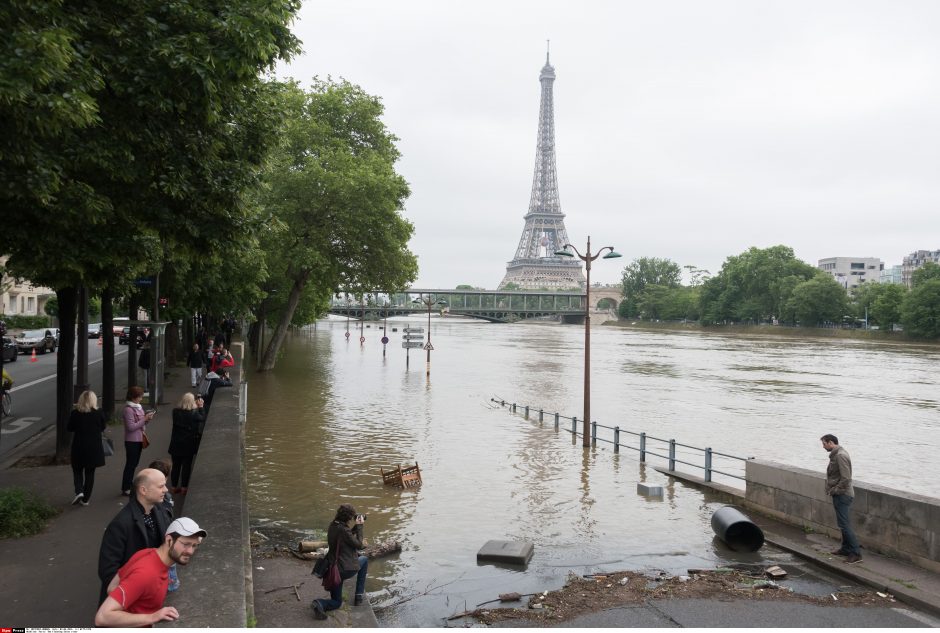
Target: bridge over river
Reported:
[(497, 306)]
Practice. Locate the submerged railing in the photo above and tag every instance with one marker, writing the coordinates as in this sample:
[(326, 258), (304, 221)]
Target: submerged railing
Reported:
[(708, 456)]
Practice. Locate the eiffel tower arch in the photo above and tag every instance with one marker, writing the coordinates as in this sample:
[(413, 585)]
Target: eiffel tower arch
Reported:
[(535, 264)]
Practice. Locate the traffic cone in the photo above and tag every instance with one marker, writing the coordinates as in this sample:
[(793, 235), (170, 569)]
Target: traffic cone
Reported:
[(34, 359)]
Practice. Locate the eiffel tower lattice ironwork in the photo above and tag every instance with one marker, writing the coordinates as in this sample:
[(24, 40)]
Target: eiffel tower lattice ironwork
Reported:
[(535, 265)]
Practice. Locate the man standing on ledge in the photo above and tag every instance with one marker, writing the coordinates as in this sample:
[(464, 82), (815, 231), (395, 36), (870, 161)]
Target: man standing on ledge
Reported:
[(839, 486)]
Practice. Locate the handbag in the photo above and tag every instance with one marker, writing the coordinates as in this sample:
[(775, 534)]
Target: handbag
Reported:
[(332, 579), (146, 440), (320, 567), (107, 445)]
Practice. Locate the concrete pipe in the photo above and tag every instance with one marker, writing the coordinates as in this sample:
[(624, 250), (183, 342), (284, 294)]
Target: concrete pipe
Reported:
[(736, 530)]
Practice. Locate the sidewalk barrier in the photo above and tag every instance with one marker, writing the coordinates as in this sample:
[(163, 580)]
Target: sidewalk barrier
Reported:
[(711, 462)]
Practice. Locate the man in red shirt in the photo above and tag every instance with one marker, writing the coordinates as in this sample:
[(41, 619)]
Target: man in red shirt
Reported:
[(136, 595)]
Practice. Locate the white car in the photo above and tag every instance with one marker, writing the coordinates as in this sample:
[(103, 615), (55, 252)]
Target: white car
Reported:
[(94, 330)]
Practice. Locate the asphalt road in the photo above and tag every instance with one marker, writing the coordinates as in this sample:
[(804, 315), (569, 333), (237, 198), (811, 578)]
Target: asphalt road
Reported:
[(34, 391)]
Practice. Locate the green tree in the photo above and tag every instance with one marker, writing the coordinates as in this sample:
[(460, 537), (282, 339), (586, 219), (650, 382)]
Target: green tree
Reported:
[(920, 311), (643, 272), (928, 271), (818, 300), (754, 286), (334, 200), (882, 302), (138, 127)]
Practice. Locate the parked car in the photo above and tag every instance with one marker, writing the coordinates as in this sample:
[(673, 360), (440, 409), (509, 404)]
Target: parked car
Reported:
[(125, 336), (94, 330), (35, 341), (9, 350)]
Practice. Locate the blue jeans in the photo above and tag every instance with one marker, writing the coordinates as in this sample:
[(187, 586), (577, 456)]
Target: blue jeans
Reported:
[(842, 504), (336, 595)]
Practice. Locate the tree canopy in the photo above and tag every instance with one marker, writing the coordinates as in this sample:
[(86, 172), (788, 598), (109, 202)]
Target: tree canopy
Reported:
[(754, 286), (642, 273), (334, 201)]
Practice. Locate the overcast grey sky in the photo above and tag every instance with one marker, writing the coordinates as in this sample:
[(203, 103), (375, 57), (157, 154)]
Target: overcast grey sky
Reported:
[(689, 130)]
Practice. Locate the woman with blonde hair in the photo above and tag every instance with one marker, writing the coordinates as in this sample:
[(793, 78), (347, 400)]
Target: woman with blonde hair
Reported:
[(86, 422), (188, 423)]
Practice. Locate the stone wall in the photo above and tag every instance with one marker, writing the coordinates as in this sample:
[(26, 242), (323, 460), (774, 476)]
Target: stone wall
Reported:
[(893, 522), (218, 582)]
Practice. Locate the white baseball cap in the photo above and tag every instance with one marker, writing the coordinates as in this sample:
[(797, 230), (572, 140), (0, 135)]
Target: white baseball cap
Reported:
[(184, 526)]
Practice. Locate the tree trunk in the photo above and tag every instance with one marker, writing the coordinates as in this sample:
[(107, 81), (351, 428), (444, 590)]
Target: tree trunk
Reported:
[(68, 300), (172, 346), (280, 332), (107, 350)]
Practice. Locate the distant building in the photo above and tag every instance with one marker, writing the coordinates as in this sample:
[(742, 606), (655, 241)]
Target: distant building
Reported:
[(852, 272), (892, 275), (18, 296), (916, 260)]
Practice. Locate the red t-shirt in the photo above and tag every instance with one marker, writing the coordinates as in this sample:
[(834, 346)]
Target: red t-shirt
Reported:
[(144, 579)]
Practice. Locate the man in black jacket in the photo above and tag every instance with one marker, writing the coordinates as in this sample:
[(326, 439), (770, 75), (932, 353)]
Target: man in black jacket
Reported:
[(209, 384), (140, 524)]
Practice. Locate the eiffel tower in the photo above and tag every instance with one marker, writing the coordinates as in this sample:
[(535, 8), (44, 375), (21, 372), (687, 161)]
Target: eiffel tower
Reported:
[(535, 265)]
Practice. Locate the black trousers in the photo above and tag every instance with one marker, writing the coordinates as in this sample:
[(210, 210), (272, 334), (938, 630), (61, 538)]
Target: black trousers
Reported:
[(132, 452), (84, 480), (181, 464)]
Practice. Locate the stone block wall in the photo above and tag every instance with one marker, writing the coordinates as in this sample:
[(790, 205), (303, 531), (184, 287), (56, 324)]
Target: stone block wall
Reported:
[(894, 522)]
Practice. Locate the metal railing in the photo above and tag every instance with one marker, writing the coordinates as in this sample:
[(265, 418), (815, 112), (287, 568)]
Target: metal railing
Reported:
[(712, 461)]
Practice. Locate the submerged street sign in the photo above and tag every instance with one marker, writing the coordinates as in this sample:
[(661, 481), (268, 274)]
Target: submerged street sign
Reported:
[(413, 330), (412, 345)]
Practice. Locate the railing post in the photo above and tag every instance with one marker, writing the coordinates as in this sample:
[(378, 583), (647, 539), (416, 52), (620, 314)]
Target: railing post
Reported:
[(643, 446), (594, 432), (708, 464), (616, 439), (541, 415), (574, 426), (526, 412), (672, 454), (556, 421)]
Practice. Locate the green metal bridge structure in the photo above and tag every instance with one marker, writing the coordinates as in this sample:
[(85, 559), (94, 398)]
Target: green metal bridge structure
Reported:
[(496, 306)]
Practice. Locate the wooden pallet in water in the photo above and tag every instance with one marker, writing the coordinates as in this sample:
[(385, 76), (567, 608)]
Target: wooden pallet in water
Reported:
[(407, 477)]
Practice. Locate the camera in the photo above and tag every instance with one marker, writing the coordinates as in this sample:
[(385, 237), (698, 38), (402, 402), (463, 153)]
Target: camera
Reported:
[(361, 517)]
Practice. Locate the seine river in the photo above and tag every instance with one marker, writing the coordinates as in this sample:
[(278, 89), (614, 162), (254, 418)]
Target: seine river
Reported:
[(334, 413)]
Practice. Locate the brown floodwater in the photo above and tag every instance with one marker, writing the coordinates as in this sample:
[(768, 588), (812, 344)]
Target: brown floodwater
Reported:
[(333, 413)]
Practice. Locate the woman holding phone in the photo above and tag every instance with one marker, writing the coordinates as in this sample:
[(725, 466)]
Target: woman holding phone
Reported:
[(135, 422)]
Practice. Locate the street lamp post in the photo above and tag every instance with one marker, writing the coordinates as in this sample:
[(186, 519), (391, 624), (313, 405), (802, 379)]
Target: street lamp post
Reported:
[(587, 258), (440, 303)]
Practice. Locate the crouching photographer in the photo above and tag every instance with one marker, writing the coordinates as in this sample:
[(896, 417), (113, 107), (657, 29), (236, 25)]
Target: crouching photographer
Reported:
[(344, 537)]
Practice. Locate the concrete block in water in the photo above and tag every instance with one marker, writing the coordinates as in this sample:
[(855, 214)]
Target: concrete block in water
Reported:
[(512, 552), (649, 491)]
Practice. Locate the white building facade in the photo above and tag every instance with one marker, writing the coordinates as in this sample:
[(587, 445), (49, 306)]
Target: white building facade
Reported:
[(852, 272), (19, 296), (916, 260)]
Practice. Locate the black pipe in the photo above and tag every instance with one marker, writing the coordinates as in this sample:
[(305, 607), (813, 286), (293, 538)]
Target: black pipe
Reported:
[(736, 530)]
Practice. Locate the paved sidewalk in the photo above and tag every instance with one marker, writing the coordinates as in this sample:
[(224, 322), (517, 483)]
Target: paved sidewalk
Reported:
[(51, 579)]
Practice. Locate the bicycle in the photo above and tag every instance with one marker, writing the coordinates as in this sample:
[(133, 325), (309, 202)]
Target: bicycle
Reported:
[(7, 402)]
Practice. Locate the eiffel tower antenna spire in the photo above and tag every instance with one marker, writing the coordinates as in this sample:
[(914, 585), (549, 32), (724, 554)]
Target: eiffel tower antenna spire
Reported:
[(548, 49), (535, 264)]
